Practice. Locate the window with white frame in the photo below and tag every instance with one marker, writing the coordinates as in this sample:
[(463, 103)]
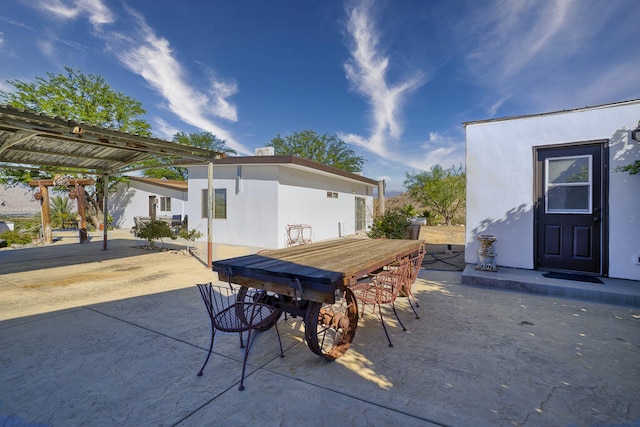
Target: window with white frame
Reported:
[(568, 184), (165, 204), (219, 203)]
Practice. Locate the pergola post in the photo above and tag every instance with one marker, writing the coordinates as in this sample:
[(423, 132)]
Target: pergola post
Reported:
[(47, 232), (105, 192), (210, 203)]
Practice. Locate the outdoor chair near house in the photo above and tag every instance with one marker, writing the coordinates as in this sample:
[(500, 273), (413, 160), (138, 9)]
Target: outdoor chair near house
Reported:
[(383, 289), (298, 234), (415, 263), (176, 223), (238, 310)]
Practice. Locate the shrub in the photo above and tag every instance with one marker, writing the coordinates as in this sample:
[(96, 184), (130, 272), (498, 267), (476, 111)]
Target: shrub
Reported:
[(393, 224), (153, 230), (189, 235), (15, 237)]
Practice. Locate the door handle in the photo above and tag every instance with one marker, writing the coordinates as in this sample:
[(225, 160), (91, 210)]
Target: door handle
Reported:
[(596, 218)]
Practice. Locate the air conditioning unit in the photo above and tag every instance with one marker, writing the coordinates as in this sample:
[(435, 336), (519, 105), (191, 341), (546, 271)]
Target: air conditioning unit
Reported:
[(265, 151)]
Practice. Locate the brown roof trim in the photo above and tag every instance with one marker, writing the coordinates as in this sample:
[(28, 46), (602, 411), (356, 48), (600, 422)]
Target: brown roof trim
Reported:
[(293, 160), (594, 107), (166, 183)]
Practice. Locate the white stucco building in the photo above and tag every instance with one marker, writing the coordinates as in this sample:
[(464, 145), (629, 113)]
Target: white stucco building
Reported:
[(258, 196), (147, 197), (545, 185)]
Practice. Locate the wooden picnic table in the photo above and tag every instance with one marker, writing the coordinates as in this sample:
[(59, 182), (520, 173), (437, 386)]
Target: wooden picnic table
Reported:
[(312, 281)]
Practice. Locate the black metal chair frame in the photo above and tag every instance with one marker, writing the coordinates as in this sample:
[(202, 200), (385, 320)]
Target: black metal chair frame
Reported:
[(237, 310)]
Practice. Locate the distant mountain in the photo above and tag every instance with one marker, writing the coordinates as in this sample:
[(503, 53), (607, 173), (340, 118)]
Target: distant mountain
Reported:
[(18, 201)]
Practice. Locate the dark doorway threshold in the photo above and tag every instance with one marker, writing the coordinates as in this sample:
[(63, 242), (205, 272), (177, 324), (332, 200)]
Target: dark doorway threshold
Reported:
[(572, 276)]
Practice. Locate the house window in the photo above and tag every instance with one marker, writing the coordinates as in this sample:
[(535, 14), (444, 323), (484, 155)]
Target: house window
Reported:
[(361, 217), (568, 183), (220, 203), (332, 195), (165, 204)]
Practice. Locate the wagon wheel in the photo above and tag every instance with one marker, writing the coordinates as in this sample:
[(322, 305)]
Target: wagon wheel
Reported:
[(330, 328), (263, 297)]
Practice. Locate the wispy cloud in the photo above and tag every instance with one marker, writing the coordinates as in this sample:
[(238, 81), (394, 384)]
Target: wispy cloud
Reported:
[(538, 54), (143, 52), (439, 149), (164, 129), (367, 71), (97, 12)]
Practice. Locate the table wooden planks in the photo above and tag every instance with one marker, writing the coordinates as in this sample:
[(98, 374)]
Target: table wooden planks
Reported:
[(317, 269)]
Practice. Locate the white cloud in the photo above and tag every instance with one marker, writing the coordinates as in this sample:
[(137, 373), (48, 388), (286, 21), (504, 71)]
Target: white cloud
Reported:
[(367, 71), (163, 129), (139, 49), (539, 53), (439, 149), (97, 12), (150, 56)]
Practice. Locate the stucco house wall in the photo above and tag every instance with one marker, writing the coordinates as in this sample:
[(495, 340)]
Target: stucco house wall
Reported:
[(500, 181), (132, 199), (262, 198)]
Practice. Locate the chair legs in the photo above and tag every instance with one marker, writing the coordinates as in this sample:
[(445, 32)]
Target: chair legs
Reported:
[(382, 319), (239, 321), (409, 296), (250, 341)]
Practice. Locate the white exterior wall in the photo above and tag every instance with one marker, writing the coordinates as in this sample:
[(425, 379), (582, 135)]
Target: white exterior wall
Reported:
[(303, 200), (270, 197), (500, 187), (249, 211), (132, 200)]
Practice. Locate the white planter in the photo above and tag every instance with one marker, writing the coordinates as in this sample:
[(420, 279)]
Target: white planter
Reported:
[(486, 254)]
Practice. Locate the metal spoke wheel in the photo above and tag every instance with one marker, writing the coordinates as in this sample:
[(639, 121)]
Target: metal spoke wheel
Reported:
[(330, 328), (263, 297)]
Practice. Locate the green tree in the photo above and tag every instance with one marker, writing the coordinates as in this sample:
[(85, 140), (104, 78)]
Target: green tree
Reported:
[(206, 140), (152, 230), (82, 98), (441, 190), (79, 97), (326, 149), (393, 224), (61, 211)]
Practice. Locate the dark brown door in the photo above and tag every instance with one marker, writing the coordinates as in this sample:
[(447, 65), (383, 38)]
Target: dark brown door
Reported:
[(569, 212)]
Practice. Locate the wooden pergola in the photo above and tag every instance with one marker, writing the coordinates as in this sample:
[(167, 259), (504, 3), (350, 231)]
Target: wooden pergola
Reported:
[(33, 141)]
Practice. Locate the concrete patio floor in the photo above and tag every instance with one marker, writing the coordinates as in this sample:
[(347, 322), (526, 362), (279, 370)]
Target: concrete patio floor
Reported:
[(92, 337)]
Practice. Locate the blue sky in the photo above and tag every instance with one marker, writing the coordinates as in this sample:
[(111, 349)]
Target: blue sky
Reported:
[(394, 79)]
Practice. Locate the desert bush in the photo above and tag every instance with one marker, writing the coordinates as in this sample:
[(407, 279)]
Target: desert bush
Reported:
[(393, 224), (15, 237), (153, 230)]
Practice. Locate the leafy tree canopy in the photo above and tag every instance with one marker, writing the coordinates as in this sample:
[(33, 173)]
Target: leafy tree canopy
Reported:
[(442, 190), (326, 149), (205, 140), (80, 97)]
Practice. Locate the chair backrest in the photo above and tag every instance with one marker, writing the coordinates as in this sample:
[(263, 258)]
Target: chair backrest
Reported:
[(415, 263), (234, 308), (395, 277)]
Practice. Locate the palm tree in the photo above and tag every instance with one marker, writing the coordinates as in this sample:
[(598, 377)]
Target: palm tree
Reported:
[(61, 213)]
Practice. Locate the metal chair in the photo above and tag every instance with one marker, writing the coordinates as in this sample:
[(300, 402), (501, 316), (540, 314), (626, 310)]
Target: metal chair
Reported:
[(237, 309), (415, 263), (383, 289)]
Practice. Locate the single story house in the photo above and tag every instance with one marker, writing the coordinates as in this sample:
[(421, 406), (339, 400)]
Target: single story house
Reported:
[(546, 186), (147, 197), (257, 197)]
